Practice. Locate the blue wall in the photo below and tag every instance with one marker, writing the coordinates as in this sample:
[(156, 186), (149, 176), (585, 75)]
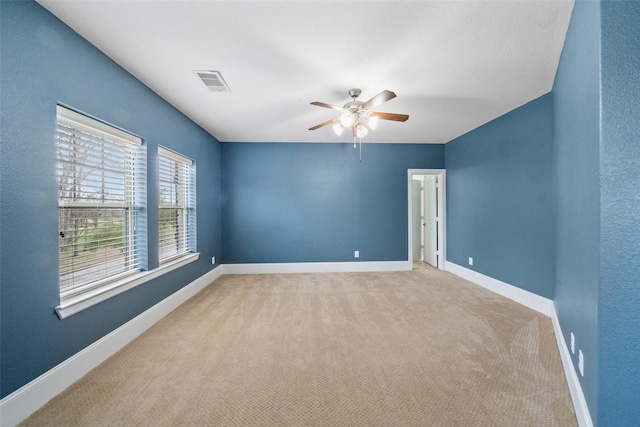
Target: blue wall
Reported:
[(499, 198), (619, 297), (576, 95), (318, 202), (44, 62), (597, 164)]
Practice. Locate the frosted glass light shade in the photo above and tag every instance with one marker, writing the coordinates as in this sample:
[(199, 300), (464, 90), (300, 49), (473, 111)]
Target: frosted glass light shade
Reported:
[(361, 131), (346, 120), (373, 122)]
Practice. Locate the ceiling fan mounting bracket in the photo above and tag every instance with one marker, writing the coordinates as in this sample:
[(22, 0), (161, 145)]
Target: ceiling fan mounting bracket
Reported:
[(354, 93)]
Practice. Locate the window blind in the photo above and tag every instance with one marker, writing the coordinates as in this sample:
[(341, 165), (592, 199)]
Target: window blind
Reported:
[(99, 184), (176, 217)]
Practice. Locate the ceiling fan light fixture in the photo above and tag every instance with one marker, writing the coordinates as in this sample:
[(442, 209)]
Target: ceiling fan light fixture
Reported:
[(346, 120), (359, 116), (361, 131), (373, 121)]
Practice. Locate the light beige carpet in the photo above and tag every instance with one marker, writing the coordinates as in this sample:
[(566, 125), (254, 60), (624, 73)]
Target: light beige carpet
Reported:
[(420, 348)]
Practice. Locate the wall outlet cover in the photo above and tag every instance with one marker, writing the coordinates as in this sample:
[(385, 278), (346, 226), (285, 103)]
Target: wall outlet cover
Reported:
[(470, 261), (356, 254), (573, 343), (581, 362)]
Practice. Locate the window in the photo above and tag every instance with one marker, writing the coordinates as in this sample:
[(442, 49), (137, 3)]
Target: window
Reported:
[(101, 184), (177, 207)]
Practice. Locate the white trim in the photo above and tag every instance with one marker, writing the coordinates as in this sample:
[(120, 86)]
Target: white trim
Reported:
[(317, 267), (442, 218), (165, 152), (528, 299), (75, 304), (92, 125), (575, 389), (26, 400)]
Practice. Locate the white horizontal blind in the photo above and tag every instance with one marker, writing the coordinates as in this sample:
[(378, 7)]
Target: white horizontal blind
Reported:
[(98, 185), (176, 200)]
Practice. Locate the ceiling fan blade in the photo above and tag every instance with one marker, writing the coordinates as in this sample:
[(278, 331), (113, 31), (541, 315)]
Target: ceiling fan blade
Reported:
[(325, 105), (384, 96), (328, 122), (391, 116)]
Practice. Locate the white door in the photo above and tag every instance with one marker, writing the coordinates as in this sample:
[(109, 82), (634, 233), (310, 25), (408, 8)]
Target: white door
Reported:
[(417, 220), (435, 207), (430, 221)]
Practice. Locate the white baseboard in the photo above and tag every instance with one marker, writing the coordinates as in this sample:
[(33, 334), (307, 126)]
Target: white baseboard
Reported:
[(17, 406), (317, 267), (577, 396), (546, 307), (528, 299)]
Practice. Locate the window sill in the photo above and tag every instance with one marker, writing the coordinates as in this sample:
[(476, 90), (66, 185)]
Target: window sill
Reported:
[(77, 303)]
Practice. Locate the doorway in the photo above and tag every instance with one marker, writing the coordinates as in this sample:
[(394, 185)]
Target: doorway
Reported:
[(427, 240)]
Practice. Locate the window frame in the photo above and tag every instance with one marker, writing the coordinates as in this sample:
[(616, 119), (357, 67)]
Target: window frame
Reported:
[(102, 290), (99, 177), (184, 200)]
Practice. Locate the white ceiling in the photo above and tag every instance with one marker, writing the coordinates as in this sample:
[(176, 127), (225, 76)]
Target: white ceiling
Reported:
[(454, 65)]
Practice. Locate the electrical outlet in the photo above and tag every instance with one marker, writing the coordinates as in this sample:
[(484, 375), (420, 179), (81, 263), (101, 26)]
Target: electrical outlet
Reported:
[(356, 254), (573, 344), (581, 362), (213, 260), (470, 261)]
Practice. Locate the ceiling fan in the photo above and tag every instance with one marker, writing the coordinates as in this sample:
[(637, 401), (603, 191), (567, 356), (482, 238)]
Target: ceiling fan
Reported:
[(358, 116)]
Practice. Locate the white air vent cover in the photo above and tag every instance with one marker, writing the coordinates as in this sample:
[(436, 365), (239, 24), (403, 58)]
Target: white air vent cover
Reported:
[(213, 80)]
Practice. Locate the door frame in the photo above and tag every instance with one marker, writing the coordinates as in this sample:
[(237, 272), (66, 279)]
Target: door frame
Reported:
[(442, 215)]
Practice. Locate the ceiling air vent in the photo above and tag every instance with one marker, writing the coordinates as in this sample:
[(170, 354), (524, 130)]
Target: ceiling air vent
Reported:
[(213, 80)]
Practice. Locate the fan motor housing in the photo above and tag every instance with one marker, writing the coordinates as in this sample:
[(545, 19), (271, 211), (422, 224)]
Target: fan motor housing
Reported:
[(353, 106)]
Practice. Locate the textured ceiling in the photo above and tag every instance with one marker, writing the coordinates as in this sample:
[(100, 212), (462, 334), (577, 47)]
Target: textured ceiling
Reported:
[(454, 65)]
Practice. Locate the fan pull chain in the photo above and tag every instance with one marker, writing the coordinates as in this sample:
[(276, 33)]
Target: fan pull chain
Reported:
[(355, 145)]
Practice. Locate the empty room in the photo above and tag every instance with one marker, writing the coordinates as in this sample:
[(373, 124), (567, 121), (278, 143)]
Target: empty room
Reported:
[(385, 213)]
